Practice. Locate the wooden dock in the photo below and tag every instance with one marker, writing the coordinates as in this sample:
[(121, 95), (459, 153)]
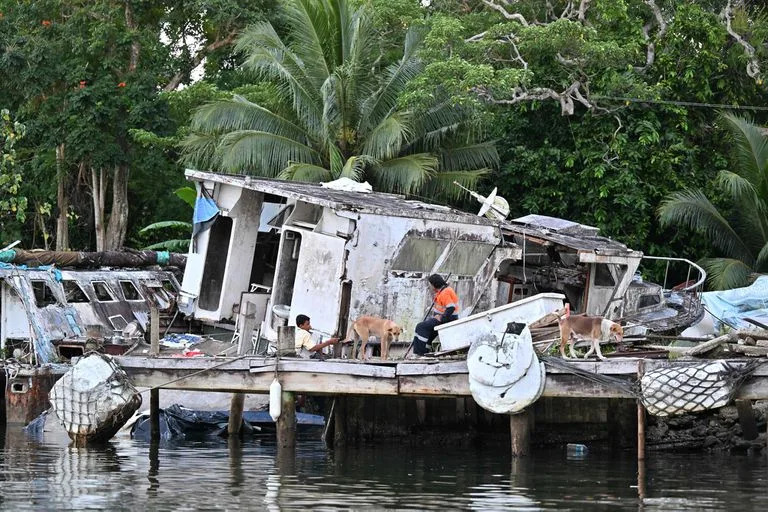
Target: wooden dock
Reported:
[(407, 378)]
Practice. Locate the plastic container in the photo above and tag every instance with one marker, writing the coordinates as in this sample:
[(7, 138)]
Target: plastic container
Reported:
[(575, 449), (460, 333)]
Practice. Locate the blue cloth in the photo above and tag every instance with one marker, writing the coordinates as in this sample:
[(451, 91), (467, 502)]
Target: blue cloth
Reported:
[(206, 209), (732, 306)]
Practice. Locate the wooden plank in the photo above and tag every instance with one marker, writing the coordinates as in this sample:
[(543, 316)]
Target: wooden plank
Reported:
[(180, 363), (571, 386), (304, 365), (747, 350), (434, 385), (432, 368), (246, 382)]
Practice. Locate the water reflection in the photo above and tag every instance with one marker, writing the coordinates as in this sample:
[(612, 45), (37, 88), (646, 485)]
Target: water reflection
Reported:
[(253, 474)]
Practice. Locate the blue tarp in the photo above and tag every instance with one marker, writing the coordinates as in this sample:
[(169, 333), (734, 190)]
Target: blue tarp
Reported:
[(206, 210), (732, 306)]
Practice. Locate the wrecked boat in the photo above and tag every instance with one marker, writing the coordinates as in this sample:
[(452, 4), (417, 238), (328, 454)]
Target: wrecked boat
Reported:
[(293, 248), (65, 312)]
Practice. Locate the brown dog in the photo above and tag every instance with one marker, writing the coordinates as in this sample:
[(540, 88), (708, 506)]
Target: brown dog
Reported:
[(366, 326), (594, 328)]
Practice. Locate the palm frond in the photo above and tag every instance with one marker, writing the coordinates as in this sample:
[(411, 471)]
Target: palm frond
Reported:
[(199, 151), (751, 149), (726, 273), (269, 57), (473, 156), (240, 114), (406, 173), (311, 30), (441, 183), (297, 171), (355, 166), (262, 153), (186, 194), (395, 78), (691, 208), (176, 245), (762, 258), (737, 186), (387, 138), (165, 224)]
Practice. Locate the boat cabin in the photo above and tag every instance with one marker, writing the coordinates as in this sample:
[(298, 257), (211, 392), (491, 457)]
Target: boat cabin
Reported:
[(300, 248), (59, 310)]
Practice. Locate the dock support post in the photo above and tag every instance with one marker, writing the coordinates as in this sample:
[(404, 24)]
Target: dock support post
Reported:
[(237, 403), (154, 415), (286, 423), (340, 422), (640, 417), (520, 433), (747, 419), (154, 394)]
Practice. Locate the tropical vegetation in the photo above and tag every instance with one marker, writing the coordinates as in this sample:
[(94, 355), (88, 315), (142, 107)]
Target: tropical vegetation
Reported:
[(597, 111), (739, 228)]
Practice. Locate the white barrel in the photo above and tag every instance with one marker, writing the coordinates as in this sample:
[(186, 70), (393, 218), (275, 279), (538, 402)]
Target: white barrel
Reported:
[(275, 396)]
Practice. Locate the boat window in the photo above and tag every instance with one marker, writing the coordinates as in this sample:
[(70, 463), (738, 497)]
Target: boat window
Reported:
[(103, 293), (43, 294), (648, 300), (130, 292), (603, 275), (419, 254), (215, 263), (73, 292), (465, 259)]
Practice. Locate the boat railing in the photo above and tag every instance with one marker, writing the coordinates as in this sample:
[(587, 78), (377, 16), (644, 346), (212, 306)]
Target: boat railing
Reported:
[(694, 280)]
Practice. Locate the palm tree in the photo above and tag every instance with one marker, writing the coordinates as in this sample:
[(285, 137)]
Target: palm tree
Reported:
[(337, 112), (742, 235)]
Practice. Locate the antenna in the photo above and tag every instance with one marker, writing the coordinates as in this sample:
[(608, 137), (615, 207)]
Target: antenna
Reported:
[(493, 207)]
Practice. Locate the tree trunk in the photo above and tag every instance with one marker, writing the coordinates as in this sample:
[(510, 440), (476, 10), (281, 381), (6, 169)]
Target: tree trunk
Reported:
[(98, 191), (62, 201), (118, 217)]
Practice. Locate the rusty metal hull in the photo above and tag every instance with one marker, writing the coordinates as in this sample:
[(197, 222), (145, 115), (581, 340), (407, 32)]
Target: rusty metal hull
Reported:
[(26, 397)]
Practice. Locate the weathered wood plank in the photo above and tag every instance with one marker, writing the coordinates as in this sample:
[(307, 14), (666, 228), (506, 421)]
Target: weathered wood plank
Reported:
[(247, 382), (362, 370), (432, 368), (456, 384), (181, 363)]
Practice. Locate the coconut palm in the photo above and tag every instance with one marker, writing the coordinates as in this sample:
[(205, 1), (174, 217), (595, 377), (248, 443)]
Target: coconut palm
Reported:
[(742, 235), (336, 113)]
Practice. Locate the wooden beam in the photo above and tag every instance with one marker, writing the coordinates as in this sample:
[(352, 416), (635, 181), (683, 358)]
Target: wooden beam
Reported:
[(520, 434), (286, 423), (244, 346), (318, 367), (154, 330)]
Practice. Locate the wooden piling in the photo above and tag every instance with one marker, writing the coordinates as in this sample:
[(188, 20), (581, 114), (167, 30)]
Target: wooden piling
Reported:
[(286, 423), (154, 331), (340, 422), (640, 416), (244, 345), (154, 394), (154, 415), (520, 433), (747, 419), (286, 340)]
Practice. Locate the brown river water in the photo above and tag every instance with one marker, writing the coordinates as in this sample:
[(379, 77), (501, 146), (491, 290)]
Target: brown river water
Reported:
[(47, 474)]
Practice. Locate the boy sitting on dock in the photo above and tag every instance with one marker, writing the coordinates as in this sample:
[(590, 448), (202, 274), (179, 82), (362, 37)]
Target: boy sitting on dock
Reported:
[(305, 348)]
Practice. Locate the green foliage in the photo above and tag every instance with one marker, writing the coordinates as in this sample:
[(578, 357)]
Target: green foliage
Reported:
[(188, 195), (11, 202), (741, 232), (334, 110)]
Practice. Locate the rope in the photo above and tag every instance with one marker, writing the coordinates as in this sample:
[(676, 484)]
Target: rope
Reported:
[(198, 373), (631, 388)]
